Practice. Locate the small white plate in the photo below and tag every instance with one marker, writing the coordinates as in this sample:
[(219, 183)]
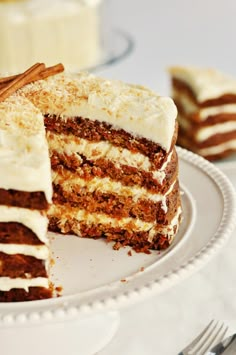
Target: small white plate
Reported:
[(96, 278)]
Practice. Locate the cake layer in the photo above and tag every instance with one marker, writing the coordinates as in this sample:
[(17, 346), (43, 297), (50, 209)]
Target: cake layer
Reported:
[(114, 205), (141, 236), (21, 295), (206, 115), (24, 155), (102, 168), (208, 86), (204, 135), (105, 138), (17, 233), (21, 266), (34, 200), (34, 220), (134, 109)]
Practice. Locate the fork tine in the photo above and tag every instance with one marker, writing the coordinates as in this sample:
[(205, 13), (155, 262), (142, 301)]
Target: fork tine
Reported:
[(214, 338), (209, 338), (196, 340)]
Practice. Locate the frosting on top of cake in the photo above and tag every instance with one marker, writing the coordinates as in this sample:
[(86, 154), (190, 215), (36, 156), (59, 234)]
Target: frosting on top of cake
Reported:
[(24, 157), (205, 83), (135, 109)]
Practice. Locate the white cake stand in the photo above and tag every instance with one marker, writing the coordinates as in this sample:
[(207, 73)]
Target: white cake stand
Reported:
[(98, 281)]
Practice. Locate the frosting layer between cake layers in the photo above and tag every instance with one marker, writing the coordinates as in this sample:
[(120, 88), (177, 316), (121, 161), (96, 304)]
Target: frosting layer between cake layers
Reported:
[(206, 101)]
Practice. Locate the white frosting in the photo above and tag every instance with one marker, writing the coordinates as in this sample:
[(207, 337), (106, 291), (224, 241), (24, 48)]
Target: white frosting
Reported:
[(206, 83), (219, 128), (32, 219), (7, 283), (204, 133), (72, 29), (218, 149), (24, 157), (37, 251), (70, 144), (203, 113), (135, 109)]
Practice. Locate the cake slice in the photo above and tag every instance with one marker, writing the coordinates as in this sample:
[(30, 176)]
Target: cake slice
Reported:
[(206, 101), (25, 194), (113, 158)]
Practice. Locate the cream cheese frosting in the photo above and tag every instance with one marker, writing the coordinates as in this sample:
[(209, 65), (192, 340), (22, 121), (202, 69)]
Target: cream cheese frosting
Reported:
[(206, 83), (138, 110), (24, 157), (7, 283), (33, 219), (189, 107)]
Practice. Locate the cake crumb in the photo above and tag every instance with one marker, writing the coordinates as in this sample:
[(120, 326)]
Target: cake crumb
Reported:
[(123, 280), (117, 246), (58, 291), (129, 253), (142, 268)]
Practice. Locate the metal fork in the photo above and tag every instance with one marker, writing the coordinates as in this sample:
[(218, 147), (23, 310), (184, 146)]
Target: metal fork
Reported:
[(209, 337)]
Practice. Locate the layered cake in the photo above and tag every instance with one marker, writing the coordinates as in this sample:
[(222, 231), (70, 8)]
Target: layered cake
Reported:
[(25, 195), (206, 101), (114, 168), (69, 31)]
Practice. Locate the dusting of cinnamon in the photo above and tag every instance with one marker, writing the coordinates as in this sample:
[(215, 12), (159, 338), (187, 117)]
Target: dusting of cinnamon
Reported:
[(9, 85)]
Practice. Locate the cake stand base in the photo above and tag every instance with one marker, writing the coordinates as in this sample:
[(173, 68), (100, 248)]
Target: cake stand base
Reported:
[(85, 336)]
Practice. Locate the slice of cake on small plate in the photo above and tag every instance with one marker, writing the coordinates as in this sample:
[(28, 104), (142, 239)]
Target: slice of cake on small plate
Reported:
[(206, 101)]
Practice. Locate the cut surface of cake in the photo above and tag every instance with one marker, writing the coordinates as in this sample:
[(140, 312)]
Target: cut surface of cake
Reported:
[(206, 101), (114, 167)]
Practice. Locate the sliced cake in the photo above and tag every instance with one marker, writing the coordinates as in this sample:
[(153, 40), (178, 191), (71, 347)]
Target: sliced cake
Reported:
[(114, 172), (206, 101)]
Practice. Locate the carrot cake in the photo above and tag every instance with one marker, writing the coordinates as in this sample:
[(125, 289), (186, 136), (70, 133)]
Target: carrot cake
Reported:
[(114, 172), (69, 31), (206, 101)]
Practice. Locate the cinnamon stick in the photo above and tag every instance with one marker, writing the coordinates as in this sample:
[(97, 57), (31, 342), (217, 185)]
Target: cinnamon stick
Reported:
[(10, 84), (20, 80)]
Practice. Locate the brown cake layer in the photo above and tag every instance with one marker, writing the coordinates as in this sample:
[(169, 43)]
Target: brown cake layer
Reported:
[(127, 175), (17, 233), (20, 295), (33, 200), (95, 131), (23, 266), (184, 142), (212, 141), (222, 100), (114, 205), (195, 119), (128, 236), (138, 240)]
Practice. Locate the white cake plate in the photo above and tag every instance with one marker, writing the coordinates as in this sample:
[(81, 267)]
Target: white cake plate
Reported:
[(97, 280)]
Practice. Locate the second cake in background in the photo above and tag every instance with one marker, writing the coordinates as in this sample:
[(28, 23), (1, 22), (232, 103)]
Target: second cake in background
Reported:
[(206, 101)]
